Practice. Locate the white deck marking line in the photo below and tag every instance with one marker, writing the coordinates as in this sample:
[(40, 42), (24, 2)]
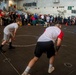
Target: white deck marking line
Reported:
[(71, 72), (25, 45), (10, 64), (64, 45), (71, 32)]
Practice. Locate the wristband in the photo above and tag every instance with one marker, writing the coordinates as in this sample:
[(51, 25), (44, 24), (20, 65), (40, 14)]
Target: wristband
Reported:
[(57, 48)]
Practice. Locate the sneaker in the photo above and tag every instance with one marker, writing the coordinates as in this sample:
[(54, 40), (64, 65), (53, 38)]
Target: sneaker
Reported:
[(2, 50), (25, 73), (50, 70), (12, 47)]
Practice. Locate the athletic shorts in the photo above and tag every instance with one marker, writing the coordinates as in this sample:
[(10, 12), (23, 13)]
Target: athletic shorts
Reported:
[(7, 36), (44, 47)]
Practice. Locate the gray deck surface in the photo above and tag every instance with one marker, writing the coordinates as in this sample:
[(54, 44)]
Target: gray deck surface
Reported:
[(13, 62)]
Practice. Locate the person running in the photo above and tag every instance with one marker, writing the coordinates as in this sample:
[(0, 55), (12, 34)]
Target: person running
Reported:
[(51, 37), (9, 34)]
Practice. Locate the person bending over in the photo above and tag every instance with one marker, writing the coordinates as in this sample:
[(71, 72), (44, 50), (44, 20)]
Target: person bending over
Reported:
[(9, 34), (51, 37)]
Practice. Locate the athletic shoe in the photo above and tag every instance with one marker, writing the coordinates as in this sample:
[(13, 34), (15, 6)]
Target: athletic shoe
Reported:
[(25, 73), (2, 50), (12, 47), (50, 70)]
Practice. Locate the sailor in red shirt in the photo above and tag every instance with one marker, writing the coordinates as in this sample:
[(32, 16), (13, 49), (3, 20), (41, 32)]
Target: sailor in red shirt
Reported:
[(45, 44)]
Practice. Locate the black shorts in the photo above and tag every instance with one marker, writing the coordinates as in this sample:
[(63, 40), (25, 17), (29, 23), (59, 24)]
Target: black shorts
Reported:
[(44, 47)]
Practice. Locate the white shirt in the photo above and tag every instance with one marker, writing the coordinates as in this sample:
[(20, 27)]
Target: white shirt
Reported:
[(42, 16), (26, 16), (51, 33), (10, 28), (47, 18)]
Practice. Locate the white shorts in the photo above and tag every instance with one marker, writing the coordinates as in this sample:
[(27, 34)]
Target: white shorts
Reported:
[(7, 36)]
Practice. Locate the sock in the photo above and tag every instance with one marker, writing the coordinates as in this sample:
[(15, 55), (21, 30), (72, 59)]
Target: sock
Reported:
[(27, 69), (10, 44), (50, 65), (1, 46)]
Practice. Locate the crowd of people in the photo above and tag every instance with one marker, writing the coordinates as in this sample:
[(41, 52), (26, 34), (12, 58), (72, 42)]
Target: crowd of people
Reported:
[(34, 19), (45, 43)]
